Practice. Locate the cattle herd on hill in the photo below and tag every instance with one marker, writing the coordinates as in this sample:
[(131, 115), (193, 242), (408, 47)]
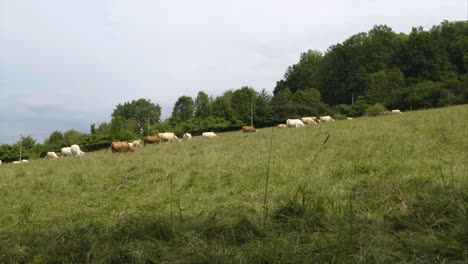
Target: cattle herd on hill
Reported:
[(124, 146)]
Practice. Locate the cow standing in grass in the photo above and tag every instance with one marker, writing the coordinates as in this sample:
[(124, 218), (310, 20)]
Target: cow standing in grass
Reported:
[(121, 146), (294, 123), (152, 140), (249, 129), (209, 135), (168, 136), (326, 119)]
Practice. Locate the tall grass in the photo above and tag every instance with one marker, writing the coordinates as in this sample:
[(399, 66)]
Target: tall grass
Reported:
[(381, 190)]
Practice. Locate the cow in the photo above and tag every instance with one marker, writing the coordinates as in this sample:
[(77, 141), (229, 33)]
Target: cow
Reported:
[(168, 136), (310, 120), (66, 151), (0, 162), (326, 119), (294, 123), (76, 151), (349, 118), (386, 113), (248, 129), (152, 139), (209, 135), (188, 136), (20, 161), (121, 146), (59, 154), (137, 143), (51, 155), (396, 111), (281, 126)]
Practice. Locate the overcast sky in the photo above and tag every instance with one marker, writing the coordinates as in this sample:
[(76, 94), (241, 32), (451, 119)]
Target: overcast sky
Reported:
[(66, 64)]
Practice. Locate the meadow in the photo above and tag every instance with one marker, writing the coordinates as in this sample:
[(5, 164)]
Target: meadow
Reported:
[(389, 189)]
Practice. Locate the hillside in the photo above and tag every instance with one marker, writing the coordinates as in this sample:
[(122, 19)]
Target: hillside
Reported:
[(379, 190)]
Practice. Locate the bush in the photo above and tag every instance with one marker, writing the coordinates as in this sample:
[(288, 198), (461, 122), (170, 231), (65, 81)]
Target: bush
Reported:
[(375, 110)]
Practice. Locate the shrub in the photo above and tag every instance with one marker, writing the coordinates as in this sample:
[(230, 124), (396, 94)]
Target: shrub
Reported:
[(375, 110)]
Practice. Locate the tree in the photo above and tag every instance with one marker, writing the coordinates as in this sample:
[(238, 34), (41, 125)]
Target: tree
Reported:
[(263, 110), (221, 108), (303, 75), (202, 105), (183, 109), (242, 102), (55, 139), (71, 137), (143, 111)]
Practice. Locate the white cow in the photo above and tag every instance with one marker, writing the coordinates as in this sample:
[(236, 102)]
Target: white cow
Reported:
[(168, 136), (51, 155), (76, 151), (294, 123), (137, 143), (326, 119), (66, 151), (396, 111), (20, 161), (209, 135), (187, 136)]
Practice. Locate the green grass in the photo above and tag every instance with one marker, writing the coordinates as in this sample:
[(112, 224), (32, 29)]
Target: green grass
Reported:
[(389, 189)]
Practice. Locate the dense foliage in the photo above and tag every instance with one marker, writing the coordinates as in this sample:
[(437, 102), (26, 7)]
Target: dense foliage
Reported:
[(365, 74)]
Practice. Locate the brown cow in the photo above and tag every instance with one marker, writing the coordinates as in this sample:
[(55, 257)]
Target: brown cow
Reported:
[(152, 139), (121, 146), (248, 129), (59, 154)]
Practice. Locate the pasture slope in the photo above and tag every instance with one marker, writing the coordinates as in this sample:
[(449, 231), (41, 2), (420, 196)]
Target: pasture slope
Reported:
[(390, 189)]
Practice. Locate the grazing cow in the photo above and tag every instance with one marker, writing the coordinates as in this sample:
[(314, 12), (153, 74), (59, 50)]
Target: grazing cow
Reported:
[(282, 126), (168, 136), (76, 151), (152, 139), (137, 143), (326, 119), (294, 123), (66, 151), (51, 155), (209, 135), (396, 111), (310, 120), (386, 113), (248, 129), (121, 146), (188, 136), (59, 154)]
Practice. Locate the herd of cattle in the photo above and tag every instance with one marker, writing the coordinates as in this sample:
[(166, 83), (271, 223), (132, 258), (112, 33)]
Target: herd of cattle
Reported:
[(124, 146)]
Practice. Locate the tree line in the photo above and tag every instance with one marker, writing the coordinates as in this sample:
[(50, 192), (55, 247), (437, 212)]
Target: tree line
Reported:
[(366, 74)]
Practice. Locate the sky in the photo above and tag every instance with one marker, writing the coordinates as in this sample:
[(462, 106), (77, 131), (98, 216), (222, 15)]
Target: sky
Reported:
[(66, 64)]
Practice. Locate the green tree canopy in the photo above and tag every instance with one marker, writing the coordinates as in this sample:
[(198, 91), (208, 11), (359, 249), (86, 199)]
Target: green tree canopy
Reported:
[(202, 105), (183, 109), (143, 111)]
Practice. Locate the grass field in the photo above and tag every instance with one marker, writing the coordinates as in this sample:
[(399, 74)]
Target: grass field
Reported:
[(389, 189)]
